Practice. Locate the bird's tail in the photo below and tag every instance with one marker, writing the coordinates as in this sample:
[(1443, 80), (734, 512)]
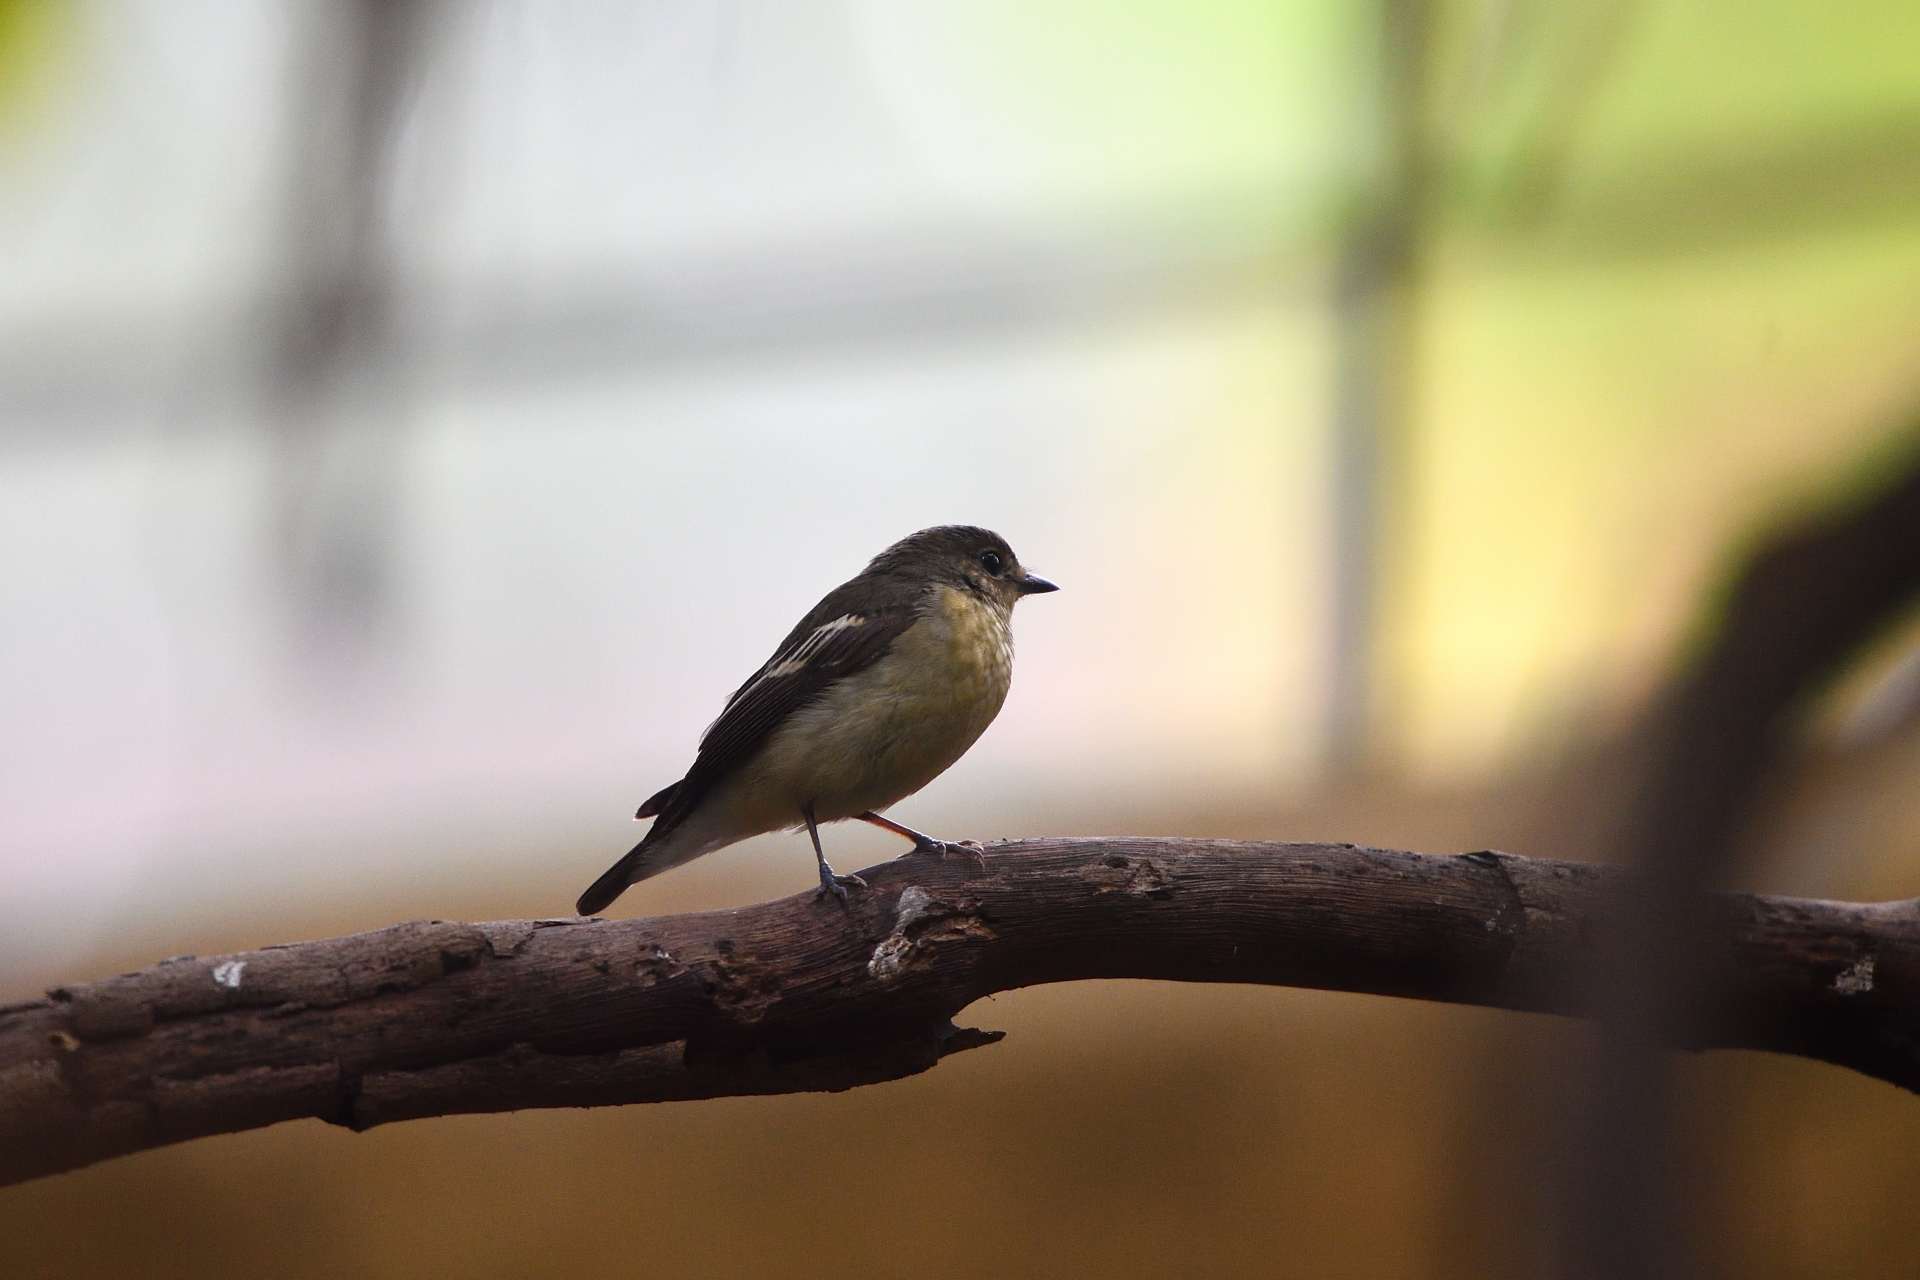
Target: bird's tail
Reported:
[(683, 830), (601, 893)]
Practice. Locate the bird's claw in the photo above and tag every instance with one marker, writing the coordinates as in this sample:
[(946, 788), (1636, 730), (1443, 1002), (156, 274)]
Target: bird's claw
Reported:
[(831, 882), (948, 848)]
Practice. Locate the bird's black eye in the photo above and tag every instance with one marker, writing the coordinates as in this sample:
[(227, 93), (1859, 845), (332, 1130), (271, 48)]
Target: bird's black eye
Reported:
[(991, 562)]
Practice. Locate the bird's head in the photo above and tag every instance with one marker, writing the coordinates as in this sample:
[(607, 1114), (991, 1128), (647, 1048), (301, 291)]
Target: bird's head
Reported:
[(965, 557)]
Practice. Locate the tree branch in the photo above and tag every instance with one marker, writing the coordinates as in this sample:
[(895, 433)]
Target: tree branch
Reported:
[(799, 995)]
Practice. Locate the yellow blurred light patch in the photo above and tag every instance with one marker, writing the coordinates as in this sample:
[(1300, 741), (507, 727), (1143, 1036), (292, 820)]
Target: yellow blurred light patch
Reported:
[(35, 36)]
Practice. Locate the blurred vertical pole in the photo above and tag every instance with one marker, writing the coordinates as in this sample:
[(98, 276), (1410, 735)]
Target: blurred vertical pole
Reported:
[(1376, 359), (329, 397)]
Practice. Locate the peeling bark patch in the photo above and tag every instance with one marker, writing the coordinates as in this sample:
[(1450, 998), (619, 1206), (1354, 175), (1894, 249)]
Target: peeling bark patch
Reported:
[(1137, 877), (889, 957), (921, 921), (743, 987), (1856, 979), (227, 973), (505, 943), (915, 903), (657, 964)]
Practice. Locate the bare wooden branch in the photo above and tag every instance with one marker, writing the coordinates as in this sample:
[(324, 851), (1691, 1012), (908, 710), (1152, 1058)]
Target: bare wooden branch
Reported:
[(798, 995)]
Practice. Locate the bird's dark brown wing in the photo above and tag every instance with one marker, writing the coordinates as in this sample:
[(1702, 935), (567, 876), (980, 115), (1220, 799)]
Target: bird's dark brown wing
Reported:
[(847, 632)]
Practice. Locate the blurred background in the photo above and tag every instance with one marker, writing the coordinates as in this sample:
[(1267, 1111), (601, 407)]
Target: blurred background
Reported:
[(416, 417)]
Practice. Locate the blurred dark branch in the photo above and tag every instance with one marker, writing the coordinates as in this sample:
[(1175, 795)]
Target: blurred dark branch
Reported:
[(1803, 604), (799, 995)]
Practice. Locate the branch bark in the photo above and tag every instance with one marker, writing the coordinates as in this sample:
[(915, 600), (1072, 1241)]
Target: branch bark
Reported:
[(798, 995)]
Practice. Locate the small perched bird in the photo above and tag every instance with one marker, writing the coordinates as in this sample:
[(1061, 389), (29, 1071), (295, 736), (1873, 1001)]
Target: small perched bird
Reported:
[(881, 687)]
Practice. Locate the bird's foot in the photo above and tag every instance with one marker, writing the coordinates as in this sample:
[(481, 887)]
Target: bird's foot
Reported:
[(831, 882), (951, 848)]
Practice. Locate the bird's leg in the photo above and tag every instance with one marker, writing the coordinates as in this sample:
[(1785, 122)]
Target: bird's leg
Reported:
[(924, 843), (830, 882)]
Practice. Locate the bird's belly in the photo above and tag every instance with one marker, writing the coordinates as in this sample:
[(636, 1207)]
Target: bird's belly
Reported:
[(888, 731)]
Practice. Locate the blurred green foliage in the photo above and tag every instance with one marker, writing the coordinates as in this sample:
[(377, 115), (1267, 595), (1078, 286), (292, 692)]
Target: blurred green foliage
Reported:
[(35, 39)]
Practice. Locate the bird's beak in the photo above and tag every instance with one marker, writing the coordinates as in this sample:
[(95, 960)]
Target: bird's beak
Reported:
[(1033, 584)]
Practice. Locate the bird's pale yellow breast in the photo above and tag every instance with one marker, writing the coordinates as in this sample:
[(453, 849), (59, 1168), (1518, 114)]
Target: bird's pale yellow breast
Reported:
[(889, 730), (979, 649)]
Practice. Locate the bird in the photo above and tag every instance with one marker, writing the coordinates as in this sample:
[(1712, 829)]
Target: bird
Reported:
[(873, 694)]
